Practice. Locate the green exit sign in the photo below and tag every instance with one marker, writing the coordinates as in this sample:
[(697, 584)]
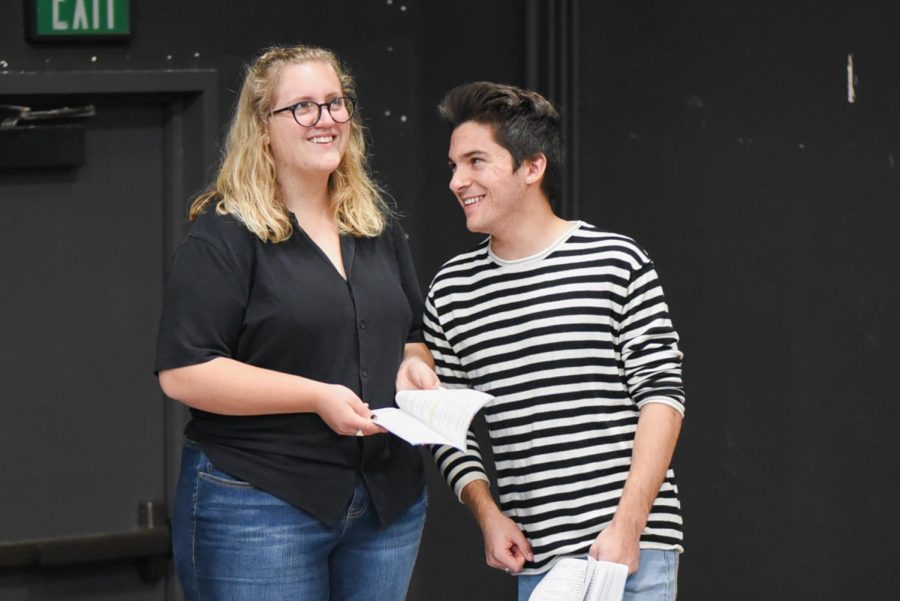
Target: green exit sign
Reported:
[(78, 20)]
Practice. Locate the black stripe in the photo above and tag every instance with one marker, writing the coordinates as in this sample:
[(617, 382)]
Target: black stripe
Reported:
[(448, 292), (575, 461), (551, 398), (461, 332), (549, 347), (556, 448), (534, 437), (520, 488), (595, 296), (562, 380)]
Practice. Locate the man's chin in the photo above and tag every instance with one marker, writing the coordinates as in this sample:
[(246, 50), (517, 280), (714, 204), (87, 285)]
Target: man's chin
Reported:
[(475, 228)]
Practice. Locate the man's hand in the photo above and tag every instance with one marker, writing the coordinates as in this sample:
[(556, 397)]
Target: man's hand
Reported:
[(505, 547), (614, 545), (416, 371), (415, 374)]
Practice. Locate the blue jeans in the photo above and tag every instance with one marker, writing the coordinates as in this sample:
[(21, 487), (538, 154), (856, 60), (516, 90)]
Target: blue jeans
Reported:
[(655, 580), (232, 541)]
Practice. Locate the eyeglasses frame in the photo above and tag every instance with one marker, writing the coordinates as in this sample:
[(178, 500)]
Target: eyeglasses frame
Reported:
[(326, 105)]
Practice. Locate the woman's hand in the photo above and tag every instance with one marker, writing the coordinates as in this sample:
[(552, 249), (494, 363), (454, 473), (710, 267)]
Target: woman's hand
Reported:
[(345, 413)]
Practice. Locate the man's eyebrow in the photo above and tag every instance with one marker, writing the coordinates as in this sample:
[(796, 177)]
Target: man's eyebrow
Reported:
[(470, 154)]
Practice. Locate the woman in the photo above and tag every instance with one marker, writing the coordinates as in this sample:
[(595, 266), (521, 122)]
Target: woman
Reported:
[(291, 308)]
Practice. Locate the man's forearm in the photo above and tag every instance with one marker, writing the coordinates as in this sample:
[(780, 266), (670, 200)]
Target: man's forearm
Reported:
[(418, 350), (505, 546), (478, 498), (654, 444)]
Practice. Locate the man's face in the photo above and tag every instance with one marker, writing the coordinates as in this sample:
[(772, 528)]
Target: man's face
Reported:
[(483, 180)]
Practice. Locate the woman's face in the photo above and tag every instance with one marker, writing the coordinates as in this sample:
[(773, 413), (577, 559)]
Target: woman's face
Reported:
[(306, 151)]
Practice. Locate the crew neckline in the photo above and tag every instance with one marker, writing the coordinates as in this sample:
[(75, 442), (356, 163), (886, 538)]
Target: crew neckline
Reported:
[(541, 253)]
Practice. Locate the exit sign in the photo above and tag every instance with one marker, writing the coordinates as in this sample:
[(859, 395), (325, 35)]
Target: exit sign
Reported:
[(78, 20)]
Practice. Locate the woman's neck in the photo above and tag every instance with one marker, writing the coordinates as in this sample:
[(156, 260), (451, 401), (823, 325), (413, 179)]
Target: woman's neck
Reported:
[(306, 197)]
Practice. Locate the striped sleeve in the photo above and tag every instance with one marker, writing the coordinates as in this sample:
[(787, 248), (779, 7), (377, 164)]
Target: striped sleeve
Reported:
[(648, 342), (458, 468)]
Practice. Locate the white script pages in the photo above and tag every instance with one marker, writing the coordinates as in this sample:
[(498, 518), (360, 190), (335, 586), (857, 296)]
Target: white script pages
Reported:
[(439, 416), (574, 579)]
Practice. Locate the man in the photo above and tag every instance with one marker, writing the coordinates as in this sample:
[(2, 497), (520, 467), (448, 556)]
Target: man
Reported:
[(568, 328)]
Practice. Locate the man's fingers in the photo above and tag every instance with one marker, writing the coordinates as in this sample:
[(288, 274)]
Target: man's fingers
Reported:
[(525, 553), (420, 376), (508, 559), (430, 379), (521, 547)]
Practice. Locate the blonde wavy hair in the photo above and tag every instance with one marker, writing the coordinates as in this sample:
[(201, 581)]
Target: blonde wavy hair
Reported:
[(246, 186)]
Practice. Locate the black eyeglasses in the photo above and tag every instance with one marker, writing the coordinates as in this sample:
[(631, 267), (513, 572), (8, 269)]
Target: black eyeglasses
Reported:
[(307, 112)]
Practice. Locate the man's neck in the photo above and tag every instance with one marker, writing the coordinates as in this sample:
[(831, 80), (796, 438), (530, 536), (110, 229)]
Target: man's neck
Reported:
[(530, 234)]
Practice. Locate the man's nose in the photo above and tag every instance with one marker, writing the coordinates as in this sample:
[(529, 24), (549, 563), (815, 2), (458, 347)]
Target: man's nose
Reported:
[(458, 180)]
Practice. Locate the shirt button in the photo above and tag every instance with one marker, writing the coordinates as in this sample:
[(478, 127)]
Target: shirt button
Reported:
[(362, 325), (364, 374)]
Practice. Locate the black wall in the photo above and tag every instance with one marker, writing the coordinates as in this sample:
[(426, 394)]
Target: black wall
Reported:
[(719, 135)]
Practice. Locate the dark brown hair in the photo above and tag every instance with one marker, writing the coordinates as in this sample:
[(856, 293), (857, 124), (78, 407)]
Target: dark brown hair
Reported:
[(524, 122)]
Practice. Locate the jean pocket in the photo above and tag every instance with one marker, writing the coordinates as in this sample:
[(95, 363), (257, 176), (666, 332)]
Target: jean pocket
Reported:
[(217, 476)]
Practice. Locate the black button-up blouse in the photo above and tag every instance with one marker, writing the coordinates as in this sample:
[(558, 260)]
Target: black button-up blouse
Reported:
[(285, 307)]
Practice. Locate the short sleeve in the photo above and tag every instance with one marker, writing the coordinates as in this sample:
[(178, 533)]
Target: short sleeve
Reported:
[(203, 308)]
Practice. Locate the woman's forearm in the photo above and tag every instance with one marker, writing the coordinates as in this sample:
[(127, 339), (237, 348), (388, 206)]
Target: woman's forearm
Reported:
[(229, 387)]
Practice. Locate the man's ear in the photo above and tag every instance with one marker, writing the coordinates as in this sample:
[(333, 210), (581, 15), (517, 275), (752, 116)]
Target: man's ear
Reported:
[(535, 167)]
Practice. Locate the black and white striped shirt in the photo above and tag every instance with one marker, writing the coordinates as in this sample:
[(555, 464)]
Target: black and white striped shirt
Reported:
[(572, 342)]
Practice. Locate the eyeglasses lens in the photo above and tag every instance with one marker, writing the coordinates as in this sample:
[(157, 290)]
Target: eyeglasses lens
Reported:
[(308, 114)]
